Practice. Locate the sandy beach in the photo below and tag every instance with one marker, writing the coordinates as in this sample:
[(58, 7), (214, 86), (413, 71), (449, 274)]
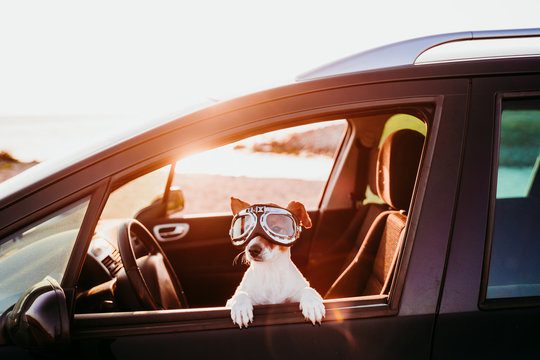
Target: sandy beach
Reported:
[(206, 193), (10, 166)]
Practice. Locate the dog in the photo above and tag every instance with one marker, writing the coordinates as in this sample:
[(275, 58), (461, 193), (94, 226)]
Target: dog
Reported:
[(272, 277)]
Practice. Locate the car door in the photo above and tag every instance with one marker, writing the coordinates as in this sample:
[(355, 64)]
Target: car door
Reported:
[(371, 327), (490, 304)]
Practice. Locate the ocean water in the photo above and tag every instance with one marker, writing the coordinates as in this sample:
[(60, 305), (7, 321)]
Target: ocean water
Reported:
[(41, 138)]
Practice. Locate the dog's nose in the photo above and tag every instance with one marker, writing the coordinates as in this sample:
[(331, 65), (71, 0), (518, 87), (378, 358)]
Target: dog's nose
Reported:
[(255, 250)]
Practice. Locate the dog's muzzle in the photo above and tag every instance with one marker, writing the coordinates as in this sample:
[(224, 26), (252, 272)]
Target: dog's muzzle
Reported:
[(273, 223)]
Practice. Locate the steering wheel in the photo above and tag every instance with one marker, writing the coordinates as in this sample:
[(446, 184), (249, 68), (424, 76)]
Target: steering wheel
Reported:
[(151, 276)]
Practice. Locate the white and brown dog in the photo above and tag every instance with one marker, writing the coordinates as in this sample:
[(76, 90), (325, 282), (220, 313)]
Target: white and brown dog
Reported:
[(272, 277)]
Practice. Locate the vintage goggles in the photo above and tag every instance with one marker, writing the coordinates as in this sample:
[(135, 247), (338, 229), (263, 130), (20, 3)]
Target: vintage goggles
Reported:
[(273, 223)]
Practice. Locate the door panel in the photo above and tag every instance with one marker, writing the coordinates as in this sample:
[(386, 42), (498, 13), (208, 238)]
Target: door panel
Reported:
[(202, 259), (392, 339)]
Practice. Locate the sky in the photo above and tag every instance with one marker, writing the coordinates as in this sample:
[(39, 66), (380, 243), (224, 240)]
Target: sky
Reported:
[(134, 60)]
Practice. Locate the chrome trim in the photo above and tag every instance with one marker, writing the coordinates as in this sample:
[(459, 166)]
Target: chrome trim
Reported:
[(405, 52), (179, 231)]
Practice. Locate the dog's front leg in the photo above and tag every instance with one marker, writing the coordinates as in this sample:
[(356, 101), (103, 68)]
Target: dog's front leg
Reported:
[(311, 304), (241, 309)]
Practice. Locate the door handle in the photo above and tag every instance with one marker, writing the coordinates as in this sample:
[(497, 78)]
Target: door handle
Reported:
[(170, 232)]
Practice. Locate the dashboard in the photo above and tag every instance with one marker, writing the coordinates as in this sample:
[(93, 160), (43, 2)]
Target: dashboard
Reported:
[(105, 253), (102, 272)]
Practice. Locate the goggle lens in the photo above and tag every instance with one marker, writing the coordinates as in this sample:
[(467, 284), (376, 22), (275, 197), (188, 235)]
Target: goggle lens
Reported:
[(241, 226), (281, 225)]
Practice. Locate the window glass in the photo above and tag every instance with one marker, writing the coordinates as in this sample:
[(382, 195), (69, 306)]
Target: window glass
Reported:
[(42, 249), (277, 167), (515, 255), (137, 194)]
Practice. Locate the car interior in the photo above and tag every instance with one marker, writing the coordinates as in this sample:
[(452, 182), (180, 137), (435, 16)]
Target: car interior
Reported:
[(159, 257)]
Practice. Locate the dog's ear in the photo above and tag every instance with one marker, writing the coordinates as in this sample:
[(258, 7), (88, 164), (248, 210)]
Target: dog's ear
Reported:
[(300, 212), (237, 205)]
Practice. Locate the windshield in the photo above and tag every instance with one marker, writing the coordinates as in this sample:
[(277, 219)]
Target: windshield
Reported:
[(40, 250)]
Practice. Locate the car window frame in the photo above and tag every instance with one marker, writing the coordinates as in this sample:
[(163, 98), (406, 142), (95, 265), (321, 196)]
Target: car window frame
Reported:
[(117, 323), (485, 303)]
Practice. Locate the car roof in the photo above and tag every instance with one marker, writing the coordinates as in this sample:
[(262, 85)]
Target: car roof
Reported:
[(409, 52)]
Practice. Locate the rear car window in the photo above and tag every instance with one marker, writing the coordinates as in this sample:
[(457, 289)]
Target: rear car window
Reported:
[(514, 268)]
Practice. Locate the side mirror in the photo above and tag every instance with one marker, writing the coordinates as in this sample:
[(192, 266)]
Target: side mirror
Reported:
[(175, 203), (40, 317), (176, 200)]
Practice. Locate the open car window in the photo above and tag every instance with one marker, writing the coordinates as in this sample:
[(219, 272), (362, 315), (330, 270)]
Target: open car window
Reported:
[(323, 165)]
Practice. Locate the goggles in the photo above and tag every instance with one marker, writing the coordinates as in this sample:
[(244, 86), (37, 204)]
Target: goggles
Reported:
[(275, 224)]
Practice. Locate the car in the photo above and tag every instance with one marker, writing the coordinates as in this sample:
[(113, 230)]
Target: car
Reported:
[(422, 187)]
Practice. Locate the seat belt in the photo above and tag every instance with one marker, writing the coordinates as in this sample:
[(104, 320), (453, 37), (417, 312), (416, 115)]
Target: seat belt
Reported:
[(361, 177)]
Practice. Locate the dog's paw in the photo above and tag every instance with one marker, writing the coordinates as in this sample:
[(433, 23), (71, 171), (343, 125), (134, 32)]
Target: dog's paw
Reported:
[(311, 304), (241, 309)]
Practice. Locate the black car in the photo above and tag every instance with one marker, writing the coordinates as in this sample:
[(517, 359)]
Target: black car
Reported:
[(424, 197)]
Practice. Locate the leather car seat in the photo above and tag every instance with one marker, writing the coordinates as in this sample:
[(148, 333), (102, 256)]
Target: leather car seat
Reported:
[(370, 270)]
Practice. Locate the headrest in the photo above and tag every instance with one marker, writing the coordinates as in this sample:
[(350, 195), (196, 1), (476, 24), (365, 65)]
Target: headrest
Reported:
[(397, 165)]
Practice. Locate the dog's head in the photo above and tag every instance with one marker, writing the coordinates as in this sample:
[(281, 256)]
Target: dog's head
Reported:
[(261, 250)]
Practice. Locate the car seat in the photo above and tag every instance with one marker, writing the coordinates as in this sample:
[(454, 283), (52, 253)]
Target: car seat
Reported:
[(370, 270)]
